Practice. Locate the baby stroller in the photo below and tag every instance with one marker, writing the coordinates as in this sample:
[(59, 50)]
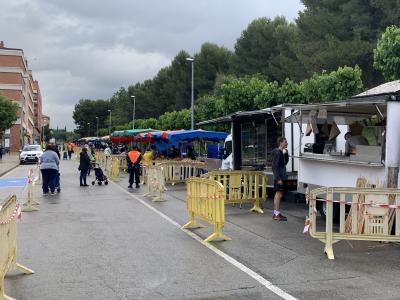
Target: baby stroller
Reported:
[(99, 175)]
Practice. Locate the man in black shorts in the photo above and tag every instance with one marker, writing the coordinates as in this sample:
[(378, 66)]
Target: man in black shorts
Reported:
[(280, 158)]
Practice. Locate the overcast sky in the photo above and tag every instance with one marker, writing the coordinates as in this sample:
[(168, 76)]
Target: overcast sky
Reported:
[(90, 48)]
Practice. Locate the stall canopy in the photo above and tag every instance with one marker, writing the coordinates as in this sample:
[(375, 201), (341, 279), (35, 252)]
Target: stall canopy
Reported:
[(147, 137), (127, 135), (175, 136)]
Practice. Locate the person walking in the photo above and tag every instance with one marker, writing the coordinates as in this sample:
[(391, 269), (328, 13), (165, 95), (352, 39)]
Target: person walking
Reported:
[(49, 163), (133, 159), (280, 158), (57, 179), (107, 154), (70, 150), (84, 164)]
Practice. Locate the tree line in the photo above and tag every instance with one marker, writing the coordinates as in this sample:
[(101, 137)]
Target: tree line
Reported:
[(327, 53)]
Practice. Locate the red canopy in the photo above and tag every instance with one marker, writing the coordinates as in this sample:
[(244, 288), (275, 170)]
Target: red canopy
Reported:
[(121, 139)]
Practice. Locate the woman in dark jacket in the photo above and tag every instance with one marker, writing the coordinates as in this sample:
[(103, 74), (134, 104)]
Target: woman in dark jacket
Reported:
[(84, 164)]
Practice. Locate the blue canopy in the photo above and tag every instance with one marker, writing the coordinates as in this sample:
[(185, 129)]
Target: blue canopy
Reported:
[(175, 136)]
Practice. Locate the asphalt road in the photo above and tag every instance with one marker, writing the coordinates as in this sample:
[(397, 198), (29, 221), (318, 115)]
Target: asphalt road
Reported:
[(105, 242)]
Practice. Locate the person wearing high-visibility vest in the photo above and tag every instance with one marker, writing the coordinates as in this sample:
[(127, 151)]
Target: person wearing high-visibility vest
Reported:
[(133, 158)]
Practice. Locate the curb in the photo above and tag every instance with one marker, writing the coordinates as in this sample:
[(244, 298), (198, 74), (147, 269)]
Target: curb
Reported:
[(12, 168)]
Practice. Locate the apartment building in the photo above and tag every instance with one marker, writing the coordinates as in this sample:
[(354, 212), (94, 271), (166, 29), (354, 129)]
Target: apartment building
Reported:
[(17, 83)]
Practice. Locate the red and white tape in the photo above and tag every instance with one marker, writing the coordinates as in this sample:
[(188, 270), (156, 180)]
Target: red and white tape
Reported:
[(307, 225), (377, 205), (16, 213)]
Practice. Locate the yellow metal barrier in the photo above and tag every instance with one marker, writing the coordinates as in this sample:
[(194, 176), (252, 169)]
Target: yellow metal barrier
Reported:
[(107, 165), (145, 165), (205, 200), (374, 212), (114, 174), (77, 152), (38, 177), (242, 186), (29, 205), (123, 164), (179, 171), (100, 158), (9, 213), (155, 182)]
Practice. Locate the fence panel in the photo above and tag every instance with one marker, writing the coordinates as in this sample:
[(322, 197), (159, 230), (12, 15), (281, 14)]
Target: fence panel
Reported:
[(179, 171), (242, 186), (205, 201), (155, 183), (9, 212), (114, 167), (366, 214)]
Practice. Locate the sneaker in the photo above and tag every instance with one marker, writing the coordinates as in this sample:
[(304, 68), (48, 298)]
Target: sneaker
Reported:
[(85, 184), (279, 217), (130, 186), (53, 193), (137, 186), (45, 194)]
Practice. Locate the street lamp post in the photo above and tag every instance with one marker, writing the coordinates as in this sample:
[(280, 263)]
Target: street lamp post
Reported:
[(192, 106), (133, 111), (97, 126), (109, 124), (88, 129)]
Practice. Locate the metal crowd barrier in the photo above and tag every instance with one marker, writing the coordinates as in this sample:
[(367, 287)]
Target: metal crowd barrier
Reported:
[(107, 162), (100, 159), (9, 212), (77, 152), (205, 200), (123, 164), (373, 214), (146, 165), (155, 182), (179, 171), (114, 168), (30, 204), (242, 186)]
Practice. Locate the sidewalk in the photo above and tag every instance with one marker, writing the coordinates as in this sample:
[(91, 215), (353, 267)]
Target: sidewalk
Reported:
[(8, 162)]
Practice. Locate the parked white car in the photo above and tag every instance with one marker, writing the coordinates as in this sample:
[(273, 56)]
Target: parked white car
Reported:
[(30, 153)]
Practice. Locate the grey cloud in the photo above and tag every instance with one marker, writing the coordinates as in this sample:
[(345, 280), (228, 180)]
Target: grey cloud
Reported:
[(88, 49)]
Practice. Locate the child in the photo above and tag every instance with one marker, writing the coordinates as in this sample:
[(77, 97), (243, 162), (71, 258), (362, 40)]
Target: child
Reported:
[(65, 155)]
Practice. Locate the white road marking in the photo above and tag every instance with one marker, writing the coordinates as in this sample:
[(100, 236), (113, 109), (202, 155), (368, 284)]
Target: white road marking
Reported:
[(281, 293)]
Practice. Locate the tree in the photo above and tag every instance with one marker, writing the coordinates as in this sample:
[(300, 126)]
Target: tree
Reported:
[(121, 107), (387, 53), (209, 107), (240, 94), (8, 113), (266, 47), (86, 111), (208, 63), (333, 33), (337, 85)]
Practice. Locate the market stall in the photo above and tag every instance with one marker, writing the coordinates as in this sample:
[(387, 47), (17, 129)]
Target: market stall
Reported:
[(342, 141)]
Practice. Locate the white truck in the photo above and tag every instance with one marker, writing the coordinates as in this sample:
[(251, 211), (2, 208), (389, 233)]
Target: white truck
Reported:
[(325, 159), (254, 135)]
